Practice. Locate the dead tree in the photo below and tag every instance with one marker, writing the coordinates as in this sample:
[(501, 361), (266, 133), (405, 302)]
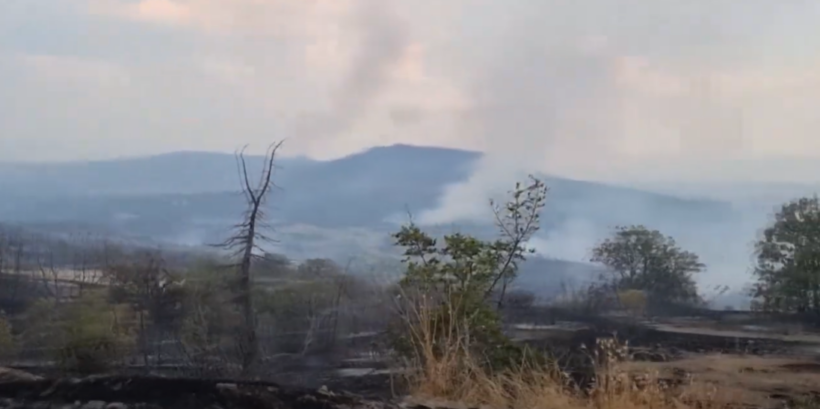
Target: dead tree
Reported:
[(243, 245)]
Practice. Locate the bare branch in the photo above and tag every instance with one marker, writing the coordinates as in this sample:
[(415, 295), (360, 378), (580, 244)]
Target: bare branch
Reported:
[(243, 245)]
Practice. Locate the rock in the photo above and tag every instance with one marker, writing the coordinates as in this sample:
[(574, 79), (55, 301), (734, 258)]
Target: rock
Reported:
[(10, 375), (94, 404), (116, 405)]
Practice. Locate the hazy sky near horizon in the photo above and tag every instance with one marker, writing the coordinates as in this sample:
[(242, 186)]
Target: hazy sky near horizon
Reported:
[(590, 89)]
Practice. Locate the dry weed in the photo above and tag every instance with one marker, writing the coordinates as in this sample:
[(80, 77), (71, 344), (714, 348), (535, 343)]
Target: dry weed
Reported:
[(451, 373)]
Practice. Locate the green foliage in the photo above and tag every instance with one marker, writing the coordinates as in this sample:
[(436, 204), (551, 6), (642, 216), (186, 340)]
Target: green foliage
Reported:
[(646, 260), (86, 335), (208, 316), (95, 333), (465, 264), (460, 275), (300, 312), (788, 260)]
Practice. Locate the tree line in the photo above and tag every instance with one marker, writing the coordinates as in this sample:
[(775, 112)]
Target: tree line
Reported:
[(786, 271)]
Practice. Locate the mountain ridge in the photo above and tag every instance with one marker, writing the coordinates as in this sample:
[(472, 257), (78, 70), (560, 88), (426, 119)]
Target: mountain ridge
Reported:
[(197, 198), (341, 206)]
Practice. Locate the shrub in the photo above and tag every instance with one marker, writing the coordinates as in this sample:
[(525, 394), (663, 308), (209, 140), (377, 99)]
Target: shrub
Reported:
[(633, 301), (86, 335), (302, 314), (450, 288), (94, 334), (208, 320)]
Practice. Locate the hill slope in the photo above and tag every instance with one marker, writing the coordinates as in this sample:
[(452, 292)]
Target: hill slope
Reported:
[(334, 208), (358, 190)]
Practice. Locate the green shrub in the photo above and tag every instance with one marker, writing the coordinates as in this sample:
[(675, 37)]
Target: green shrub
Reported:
[(633, 301), (86, 335), (452, 288), (95, 334)]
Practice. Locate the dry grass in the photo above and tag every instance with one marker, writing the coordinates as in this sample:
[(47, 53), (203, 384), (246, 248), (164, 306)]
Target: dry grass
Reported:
[(446, 374), (741, 379), (461, 381)]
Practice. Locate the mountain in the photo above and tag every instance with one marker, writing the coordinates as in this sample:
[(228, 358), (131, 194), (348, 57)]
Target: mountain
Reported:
[(203, 172), (335, 208), (165, 194), (172, 173)]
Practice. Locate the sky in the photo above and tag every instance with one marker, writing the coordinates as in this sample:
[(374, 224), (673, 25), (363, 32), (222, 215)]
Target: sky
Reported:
[(620, 89)]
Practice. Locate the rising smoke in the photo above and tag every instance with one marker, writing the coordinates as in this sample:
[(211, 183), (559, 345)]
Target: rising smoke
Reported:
[(381, 41), (566, 91)]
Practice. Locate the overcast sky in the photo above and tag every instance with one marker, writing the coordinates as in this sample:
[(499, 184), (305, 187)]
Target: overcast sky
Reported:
[(596, 89)]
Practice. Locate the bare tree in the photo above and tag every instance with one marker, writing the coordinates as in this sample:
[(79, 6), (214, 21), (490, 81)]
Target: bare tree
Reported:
[(244, 244)]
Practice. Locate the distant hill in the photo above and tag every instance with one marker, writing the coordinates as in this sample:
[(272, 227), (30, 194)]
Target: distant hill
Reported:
[(358, 190), (177, 173), (207, 172), (327, 208)]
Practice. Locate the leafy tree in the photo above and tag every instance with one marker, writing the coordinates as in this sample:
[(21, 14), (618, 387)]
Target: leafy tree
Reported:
[(468, 265), (646, 260), (462, 273), (788, 260)]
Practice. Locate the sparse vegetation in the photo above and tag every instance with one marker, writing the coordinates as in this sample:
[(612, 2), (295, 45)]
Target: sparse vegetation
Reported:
[(101, 307), (88, 335), (452, 291)]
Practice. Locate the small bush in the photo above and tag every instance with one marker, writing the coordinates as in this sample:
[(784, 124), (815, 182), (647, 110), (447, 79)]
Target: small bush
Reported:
[(633, 301), (206, 331), (86, 335), (94, 334)]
